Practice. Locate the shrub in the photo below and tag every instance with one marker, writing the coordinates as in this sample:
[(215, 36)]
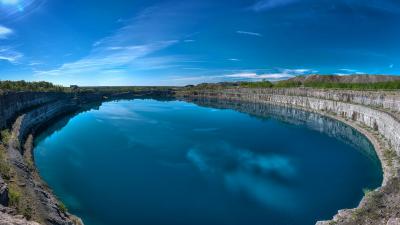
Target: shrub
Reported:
[(14, 196), (287, 84), (29, 86), (5, 136), (5, 169), (62, 207), (28, 212)]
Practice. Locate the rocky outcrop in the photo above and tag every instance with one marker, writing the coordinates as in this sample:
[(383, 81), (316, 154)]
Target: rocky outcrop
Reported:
[(313, 121), (356, 106), (375, 114), (7, 219), (3, 192), (13, 103), (24, 113), (364, 78)]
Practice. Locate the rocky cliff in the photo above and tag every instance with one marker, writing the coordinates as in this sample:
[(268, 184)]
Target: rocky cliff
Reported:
[(23, 113), (375, 114)]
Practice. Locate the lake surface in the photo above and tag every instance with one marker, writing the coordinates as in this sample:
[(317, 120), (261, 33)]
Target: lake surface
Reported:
[(154, 162)]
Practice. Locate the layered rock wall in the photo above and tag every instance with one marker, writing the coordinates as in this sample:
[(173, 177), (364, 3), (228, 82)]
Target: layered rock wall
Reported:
[(375, 114), (352, 105), (13, 103)]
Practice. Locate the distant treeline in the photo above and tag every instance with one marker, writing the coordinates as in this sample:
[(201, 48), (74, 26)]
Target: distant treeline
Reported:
[(47, 86), (389, 85), (29, 86), (112, 89)]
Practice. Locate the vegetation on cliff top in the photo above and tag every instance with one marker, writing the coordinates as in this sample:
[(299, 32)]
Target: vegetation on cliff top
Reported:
[(356, 82), (29, 86)]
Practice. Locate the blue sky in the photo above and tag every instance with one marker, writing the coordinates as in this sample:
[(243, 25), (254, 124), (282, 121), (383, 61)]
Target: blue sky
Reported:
[(153, 42)]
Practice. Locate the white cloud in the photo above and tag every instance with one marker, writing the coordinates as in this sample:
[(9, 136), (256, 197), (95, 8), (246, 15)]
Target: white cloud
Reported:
[(280, 74), (346, 71), (272, 76), (263, 5), (249, 33), (108, 58), (9, 2), (133, 48), (234, 60), (5, 32), (9, 55)]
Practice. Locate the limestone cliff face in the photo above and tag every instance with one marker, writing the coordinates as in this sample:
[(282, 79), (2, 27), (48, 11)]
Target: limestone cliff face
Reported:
[(23, 113), (381, 99), (314, 121), (378, 112), (352, 105), (7, 219), (375, 114), (15, 102)]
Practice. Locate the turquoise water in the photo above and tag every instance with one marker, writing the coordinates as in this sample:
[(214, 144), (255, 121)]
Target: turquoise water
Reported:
[(153, 162)]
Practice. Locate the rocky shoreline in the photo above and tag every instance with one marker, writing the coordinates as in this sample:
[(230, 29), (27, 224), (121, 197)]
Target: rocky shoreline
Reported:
[(23, 194), (374, 114)]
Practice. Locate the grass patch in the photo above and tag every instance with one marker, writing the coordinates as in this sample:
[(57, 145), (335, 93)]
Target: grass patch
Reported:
[(5, 136), (5, 168), (389, 155), (27, 212), (14, 195), (62, 207)]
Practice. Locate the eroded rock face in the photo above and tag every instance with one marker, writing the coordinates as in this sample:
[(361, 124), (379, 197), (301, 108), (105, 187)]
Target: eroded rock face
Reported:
[(23, 113), (15, 102), (375, 114), (3, 192), (313, 121), (349, 105), (7, 219), (27, 111)]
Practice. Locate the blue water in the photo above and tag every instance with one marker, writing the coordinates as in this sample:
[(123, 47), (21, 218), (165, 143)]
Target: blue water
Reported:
[(176, 163)]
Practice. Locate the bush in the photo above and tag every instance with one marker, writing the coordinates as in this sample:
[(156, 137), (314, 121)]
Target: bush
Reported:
[(5, 136), (287, 84), (62, 207), (5, 169), (260, 84), (28, 212), (14, 196), (390, 85), (29, 86)]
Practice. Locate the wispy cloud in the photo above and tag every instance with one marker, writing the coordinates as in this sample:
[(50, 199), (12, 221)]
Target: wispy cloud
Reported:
[(234, 59), (134, 48), (385, 6), (264, 5), (259, 76), (5, 32), (9, 2), (9, 54), (279, 74), (249, 33), (345, 71), (106, 57)]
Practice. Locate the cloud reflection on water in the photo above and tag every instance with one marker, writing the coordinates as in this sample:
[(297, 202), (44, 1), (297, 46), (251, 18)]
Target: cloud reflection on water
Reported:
[(265, 178)]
